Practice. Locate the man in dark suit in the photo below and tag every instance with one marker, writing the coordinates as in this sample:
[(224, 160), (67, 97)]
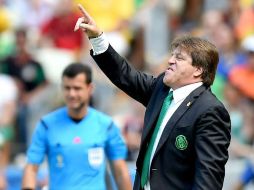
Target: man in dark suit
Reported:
[(185, 148)]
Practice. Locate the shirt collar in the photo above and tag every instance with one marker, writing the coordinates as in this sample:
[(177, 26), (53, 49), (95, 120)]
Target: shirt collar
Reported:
[(182, 92)]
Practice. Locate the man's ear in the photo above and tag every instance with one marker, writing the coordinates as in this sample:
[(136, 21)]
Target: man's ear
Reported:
[(91, 88), (198, 72)]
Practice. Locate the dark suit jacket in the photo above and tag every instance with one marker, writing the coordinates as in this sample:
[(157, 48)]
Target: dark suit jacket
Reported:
[(201, 119)]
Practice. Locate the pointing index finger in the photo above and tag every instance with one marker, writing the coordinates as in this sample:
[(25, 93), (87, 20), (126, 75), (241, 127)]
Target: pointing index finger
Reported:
[(82, 9)]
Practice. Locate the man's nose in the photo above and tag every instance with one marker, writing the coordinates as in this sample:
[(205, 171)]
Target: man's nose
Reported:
[(171, 60), (72, 92)]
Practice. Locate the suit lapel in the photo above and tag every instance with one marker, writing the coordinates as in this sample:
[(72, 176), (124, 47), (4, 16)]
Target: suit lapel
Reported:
[(187, 103), (150, 122), (152, 118)]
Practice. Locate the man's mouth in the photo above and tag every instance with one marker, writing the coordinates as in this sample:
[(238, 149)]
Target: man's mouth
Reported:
[(169, 69)]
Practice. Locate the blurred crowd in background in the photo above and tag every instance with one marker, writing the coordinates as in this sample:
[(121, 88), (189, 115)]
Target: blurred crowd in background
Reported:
[(37, 41)]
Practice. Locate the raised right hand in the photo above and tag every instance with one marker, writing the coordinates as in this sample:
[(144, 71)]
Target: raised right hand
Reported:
[(87, 24)]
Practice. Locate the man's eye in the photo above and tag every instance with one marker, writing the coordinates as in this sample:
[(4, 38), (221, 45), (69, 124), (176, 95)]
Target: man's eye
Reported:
[(77, 88)]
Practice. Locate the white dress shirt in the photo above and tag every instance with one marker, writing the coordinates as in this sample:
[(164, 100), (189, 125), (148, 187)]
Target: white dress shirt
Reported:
[(99, 44)]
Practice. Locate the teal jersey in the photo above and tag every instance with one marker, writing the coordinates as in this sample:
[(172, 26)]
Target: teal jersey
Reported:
[(76, 151)]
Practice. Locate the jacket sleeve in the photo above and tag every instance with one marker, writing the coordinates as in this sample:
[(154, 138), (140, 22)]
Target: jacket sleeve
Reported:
[(136, 84), (212, 141)]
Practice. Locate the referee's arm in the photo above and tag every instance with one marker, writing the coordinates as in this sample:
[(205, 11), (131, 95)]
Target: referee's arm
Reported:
[(29, 177)]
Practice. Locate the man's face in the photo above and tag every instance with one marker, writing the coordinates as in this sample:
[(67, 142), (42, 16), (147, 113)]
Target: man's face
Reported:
[(180, 71), (76, 92)]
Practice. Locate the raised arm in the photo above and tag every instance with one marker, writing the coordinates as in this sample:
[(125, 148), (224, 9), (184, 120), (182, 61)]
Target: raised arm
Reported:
[(136, 84)]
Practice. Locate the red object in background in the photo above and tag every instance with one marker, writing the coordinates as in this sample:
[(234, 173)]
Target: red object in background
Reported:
[(60, 30)]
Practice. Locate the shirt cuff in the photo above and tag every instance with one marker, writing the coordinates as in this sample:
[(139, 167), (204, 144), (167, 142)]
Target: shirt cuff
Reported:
[(99, 44)]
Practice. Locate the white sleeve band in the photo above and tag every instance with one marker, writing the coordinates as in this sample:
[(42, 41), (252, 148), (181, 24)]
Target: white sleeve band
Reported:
[(99, 44)]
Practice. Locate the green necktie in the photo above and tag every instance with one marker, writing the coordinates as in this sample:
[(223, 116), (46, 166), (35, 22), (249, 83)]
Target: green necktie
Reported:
[(146, 163)]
